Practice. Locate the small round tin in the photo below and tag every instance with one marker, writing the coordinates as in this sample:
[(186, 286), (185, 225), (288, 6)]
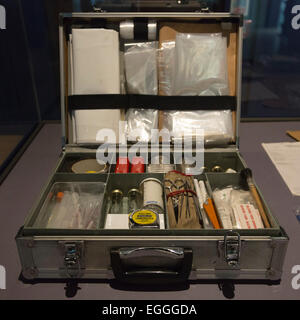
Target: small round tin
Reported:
[(89, 166), (144, 218)]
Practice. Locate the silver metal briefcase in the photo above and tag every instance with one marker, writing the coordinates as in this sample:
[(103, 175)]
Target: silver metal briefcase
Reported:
[(141, 255)]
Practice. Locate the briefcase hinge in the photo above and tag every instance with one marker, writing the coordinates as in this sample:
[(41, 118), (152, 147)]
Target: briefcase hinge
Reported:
[(73, 258)]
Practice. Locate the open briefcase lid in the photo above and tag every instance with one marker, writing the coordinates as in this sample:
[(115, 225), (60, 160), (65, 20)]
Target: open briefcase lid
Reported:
[(230, 25)]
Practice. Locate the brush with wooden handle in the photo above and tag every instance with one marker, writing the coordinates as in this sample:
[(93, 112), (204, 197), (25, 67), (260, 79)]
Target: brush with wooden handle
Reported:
[(247, 175)]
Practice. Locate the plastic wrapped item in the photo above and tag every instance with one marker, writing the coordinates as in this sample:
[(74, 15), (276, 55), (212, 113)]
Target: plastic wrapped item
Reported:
[(72, 205), (222, 202), (160, 164), (140, 122), (201, 65), (166, 67), (217, 125), (141, 67), (237, 209), (245, 210)]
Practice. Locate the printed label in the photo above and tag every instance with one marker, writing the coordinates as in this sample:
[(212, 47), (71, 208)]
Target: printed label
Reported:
[(144, 217)]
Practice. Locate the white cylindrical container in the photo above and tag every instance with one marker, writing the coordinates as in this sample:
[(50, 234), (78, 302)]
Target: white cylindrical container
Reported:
[(152, 30), (152, 191), (127, 30)]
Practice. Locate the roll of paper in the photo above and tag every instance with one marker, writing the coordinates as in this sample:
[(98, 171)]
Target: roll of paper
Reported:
[(127, 29), (152, 193)]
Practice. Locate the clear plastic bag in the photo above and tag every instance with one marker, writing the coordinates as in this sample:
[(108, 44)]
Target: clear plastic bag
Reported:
[(201, 65), (217, 125), (140, 122), (166, 67), (141, 67), (72, 206)]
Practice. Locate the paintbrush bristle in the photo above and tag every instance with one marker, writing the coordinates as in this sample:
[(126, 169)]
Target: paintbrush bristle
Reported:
[(246, 173)]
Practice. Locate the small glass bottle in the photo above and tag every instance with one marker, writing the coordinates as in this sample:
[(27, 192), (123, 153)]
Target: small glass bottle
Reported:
[(116, 202)]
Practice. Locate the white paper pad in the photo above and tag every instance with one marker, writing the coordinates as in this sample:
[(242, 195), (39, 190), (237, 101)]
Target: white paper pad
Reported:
[(286, 158), (96, 61)]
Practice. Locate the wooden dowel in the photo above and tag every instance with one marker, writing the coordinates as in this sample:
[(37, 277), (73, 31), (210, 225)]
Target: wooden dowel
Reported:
[(259, 204)]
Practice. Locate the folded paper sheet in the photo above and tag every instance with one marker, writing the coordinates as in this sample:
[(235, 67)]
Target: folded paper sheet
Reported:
[(285, 156), (96, 61), (87, 124)]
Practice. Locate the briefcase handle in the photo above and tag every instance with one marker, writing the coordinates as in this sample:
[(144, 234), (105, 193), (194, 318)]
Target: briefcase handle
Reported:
[(138, 265)]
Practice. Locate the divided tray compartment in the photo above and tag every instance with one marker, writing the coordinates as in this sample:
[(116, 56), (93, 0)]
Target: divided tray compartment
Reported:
[(225, 160), (199, 177), (222, 180), (126, 182), (34, 224)]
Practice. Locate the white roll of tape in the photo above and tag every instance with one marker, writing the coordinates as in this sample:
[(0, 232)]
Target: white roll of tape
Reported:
[(152, 29), (127, 30), (152, 192)]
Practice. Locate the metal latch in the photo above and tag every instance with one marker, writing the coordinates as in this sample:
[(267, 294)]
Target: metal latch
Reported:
[(232, 248), (203, 7), (97, 9), (204, 10), (73, 258)]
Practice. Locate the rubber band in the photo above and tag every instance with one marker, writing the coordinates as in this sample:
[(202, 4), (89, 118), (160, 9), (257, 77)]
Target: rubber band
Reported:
[(175, 193)]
